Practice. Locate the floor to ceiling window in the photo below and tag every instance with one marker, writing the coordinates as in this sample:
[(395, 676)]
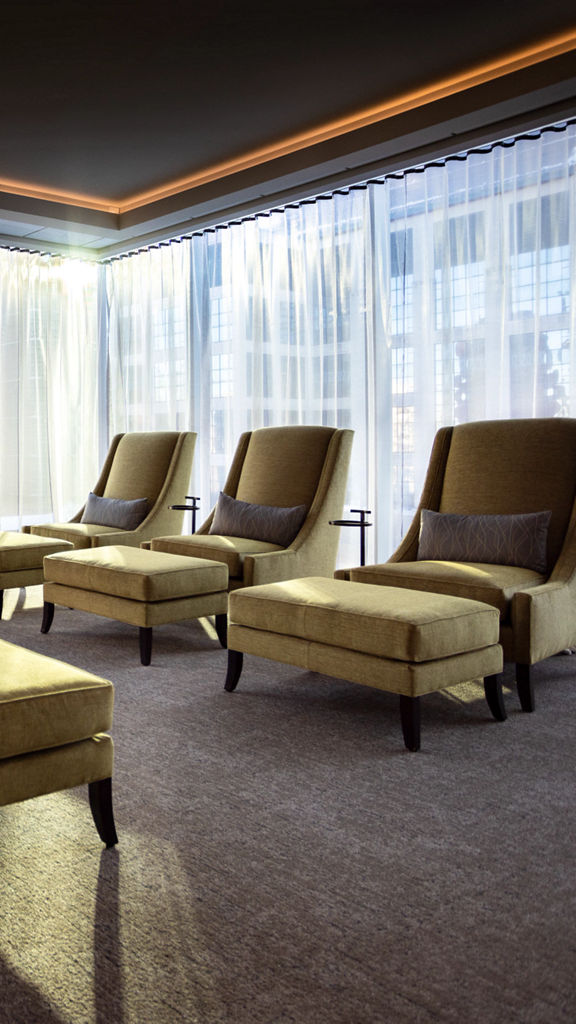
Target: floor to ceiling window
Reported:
[(435, 296)]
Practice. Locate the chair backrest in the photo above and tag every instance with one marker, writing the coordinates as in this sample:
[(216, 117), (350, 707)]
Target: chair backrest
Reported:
[(282, 466), (148, 464), (513, 466)]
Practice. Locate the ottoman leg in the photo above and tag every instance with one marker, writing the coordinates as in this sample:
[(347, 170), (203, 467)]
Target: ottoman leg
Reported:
[(525, 687), (235, 659), (494, 698), (47, 617), (410, 718), (145, 633), (221, 626), (100, 796)]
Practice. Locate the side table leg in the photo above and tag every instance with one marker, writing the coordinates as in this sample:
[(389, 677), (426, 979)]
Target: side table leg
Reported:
[(410, 719)]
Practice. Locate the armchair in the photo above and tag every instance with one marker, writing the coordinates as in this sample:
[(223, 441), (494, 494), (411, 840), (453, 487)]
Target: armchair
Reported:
[(282, 467), (501, 467), (152, 465)]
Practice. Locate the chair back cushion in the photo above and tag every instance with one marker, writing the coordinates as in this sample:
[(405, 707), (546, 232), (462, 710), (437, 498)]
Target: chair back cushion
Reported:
[(283, 465), (514, 466), (140, 465)]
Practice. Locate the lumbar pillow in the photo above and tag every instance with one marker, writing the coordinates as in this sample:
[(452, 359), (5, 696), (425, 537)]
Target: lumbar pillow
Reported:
[(234, 518), (124, 515), (494, 539)]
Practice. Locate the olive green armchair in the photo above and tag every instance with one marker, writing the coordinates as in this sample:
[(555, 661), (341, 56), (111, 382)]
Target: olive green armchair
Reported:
[(154, 465), (501, 468), (283, 467)]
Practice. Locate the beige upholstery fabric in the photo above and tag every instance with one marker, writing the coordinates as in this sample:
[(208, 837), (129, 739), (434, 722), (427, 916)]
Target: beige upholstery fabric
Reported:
[(283, 467), (230, 550), (502, 467), (140, 587), (412, 679), (494, 584), (52, 718), (406, 643), (49, 771), (385, 622), (22, 557), (21, 551), (136, 574), (155, 465), (137, 613), (46, 703)]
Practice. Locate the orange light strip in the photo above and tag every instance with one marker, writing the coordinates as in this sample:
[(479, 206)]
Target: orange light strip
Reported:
[(20, 188), (450, 86)]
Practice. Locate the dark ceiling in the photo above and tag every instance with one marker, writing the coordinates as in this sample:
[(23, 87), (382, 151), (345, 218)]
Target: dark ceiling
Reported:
[(111, 98)]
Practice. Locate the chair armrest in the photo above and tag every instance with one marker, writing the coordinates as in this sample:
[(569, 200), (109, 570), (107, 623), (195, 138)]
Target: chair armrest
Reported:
[(273, 566), (544, 620), (131, 538)]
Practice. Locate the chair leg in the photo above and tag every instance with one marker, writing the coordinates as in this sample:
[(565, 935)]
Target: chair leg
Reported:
[(494, 698), (145, 636), (47, 617), (525, 687), (410, 719), (1, 602), (221, 625), (100, 796), (235, 660)]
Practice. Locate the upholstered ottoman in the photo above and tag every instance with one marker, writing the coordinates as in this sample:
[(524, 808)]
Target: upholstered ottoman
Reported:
[(404, 641), (21, 559), (142, 588), (53, 722)]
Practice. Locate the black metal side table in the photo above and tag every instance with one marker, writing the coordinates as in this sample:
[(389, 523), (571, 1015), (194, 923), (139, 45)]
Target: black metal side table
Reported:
[(193, 508), (361, 523)]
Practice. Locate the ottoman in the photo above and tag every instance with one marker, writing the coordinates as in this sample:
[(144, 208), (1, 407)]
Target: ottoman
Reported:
[(53, 722), (21, 558), (142, 588), (405, 641)]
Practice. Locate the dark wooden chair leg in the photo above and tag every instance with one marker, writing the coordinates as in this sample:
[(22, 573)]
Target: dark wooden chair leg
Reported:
[(1, 602), (221, 624), (47, 617), (100, 796), (525, 687), (494, 697), (235, 660), (145, 634), (410, 718)]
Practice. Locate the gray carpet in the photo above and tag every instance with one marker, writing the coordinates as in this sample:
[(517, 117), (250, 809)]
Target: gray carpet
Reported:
[(283, 859)]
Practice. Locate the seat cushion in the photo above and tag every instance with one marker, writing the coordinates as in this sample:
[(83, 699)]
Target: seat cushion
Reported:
[(78, 534), (493, 584), (136, 573), (230, 550), (408, 626), (23, 551), (46, 703)]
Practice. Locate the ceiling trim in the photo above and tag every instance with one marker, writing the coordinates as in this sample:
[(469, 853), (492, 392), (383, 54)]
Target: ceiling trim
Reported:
[(481, 74)]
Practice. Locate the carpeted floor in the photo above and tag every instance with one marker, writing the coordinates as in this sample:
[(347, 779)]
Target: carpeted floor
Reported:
[(283, 859)]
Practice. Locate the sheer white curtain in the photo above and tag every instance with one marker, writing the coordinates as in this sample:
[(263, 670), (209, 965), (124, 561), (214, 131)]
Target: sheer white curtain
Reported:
[(440, 295), (48, 392), (480, 295)]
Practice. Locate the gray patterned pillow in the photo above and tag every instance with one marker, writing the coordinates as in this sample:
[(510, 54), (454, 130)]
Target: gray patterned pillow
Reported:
[(494, 539), (233, 518), (123, 515)]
